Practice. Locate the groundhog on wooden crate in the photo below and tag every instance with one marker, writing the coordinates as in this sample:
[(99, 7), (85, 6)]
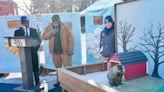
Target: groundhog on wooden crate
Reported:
[(115, 74)]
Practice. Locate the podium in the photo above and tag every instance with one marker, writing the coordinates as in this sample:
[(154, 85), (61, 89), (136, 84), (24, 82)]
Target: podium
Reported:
[(24, 44)]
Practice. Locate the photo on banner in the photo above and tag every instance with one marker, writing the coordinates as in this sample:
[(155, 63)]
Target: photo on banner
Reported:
[(9, 56), (70, 22)]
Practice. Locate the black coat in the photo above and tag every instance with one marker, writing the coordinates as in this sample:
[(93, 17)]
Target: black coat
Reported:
[(35, 61), (33, 34)]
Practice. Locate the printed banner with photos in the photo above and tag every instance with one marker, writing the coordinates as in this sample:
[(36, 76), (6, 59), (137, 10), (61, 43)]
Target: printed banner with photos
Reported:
[(72, 20)]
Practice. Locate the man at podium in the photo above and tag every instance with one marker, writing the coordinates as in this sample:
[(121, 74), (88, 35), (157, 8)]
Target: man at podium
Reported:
[(25, 30)]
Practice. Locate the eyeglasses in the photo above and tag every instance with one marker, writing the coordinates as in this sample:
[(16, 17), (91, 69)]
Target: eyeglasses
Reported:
[(27, 21), (56, 20)]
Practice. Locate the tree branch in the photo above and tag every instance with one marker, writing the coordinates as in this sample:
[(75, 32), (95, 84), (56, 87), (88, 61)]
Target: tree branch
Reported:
[(149, 42), (161, 55), (161, 62), (126, 32), (28, 8), (24, 11), (148, 51)]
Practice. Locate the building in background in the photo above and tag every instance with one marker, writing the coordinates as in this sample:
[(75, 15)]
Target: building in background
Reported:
[(8, 7)]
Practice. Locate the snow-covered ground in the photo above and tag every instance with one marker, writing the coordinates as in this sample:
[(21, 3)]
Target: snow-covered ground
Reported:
[(141, 84), (16, 78), (83, 43)]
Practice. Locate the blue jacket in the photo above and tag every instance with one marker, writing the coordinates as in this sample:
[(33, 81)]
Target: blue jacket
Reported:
[(107, 42)]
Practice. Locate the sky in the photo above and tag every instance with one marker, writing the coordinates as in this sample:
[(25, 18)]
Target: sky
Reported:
[(21, 4)]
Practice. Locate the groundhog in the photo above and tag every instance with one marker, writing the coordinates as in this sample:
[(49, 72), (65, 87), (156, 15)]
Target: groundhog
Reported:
[(115, 75)]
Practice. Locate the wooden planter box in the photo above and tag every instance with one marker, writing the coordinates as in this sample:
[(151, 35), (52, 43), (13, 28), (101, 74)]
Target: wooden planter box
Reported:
[(71, 80)]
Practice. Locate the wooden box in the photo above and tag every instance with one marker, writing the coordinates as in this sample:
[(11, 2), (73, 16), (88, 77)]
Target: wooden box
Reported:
[(71, 78)]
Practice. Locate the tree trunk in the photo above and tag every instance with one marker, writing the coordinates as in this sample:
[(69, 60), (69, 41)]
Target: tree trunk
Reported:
[(124, 48), (155, 71)]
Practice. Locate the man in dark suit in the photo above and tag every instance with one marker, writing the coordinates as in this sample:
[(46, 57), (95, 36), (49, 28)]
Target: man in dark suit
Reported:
[(25, 30)]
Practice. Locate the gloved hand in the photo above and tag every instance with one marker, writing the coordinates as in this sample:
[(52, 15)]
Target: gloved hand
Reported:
[(52, 31), (70, 53), (101, 49)]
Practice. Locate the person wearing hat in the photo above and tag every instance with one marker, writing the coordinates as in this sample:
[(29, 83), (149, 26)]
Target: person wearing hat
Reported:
[(61, 42), (107, 38), (27, 31)]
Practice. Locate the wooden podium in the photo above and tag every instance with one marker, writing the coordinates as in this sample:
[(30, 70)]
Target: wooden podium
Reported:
[(24, 44)]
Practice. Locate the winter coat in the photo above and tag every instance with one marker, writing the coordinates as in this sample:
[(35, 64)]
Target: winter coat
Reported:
[(67, 40), (107, 43)]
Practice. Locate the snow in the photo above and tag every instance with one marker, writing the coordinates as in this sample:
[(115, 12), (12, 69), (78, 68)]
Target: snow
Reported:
[(140, 84), (16, 78)]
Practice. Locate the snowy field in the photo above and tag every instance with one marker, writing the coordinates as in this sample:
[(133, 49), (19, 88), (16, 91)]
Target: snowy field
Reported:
[(141, 84)]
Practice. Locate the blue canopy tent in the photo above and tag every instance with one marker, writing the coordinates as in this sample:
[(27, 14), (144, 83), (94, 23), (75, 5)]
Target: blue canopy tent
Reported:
[(99, 9)]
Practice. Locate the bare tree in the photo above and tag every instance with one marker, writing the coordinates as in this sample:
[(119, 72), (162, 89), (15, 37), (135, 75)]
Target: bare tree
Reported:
[(27, 8), (46, 6), (41, 6), (152, 43), (125, 33), (54, 6), (84, 4)]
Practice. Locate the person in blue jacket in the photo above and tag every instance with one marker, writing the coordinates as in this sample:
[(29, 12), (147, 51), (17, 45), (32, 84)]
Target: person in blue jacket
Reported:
[(107, 38)]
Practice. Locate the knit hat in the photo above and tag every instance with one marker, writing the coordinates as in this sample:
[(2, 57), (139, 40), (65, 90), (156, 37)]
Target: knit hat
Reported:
[(108, 19), (55, 17), (23, 19)]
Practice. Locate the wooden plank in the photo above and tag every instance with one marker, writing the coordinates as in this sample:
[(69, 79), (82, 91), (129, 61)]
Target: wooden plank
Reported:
[(77, 69), (90, 68), (73, 82)]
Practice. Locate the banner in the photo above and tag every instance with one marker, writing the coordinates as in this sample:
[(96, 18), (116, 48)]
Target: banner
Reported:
[(73, 22), (9, 56), (140, 26)]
